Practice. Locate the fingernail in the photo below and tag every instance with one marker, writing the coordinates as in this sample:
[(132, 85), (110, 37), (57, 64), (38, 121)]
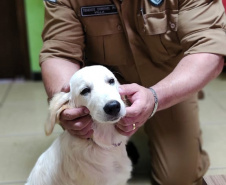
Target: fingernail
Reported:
[(65, 88), (86, 111)]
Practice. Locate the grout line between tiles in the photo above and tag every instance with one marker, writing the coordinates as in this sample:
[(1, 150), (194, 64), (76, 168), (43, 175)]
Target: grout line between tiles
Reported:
[(212, 123), (217, 168), (27, 134), (5, 95), (217, 103)]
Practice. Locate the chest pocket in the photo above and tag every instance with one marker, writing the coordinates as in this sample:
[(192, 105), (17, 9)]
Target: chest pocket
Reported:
[(159, 29), (158, 23), (105, 40)]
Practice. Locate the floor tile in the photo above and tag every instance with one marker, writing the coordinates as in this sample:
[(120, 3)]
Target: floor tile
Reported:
[(216, 171), (215, 144), (25, 110), (217, 85), (4, 88), (19, 154), (13, 183), (140, 180), (213, 107), (213, 124), (210, 112)]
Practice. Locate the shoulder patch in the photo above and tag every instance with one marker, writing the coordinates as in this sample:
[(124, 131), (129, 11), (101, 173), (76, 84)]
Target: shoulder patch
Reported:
[(156, 2), (51, 1)]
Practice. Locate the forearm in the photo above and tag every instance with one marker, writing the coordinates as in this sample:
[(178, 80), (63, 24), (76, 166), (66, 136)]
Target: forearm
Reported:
[(56, 73), (191, 74)]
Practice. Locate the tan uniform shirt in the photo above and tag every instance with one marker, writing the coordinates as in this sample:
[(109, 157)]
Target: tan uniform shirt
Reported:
[(143, 41)]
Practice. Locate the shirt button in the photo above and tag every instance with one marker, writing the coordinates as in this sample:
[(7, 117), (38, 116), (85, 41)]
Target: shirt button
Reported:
[(172, 25), (144, 30)]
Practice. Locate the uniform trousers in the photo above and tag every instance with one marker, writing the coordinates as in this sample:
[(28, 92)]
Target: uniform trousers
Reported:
[(175, 142)]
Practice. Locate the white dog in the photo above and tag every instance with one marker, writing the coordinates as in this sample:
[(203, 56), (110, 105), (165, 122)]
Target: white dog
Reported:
[(101, 160)]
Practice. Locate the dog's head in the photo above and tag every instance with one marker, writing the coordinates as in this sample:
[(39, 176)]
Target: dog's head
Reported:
[(94, 87)]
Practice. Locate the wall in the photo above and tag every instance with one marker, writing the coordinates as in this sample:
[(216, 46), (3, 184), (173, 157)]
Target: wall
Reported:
[(35, 21)]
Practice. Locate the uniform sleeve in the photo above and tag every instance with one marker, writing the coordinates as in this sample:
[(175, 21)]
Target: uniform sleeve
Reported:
[(202, 26), (62, 34)]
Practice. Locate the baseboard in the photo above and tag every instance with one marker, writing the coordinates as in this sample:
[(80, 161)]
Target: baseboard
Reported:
[(224, 69), (36, 76)]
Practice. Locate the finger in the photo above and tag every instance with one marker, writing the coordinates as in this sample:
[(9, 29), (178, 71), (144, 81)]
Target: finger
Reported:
[(65, 88), (125, 121), (83, 131), (77, 124), (74, 113), (82, 123), (128, 128), (126, 133), (85, 136), (134, 110), (88, 135), (128, 89)]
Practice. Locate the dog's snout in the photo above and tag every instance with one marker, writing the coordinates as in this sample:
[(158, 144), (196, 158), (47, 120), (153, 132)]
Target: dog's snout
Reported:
[(112, 108)]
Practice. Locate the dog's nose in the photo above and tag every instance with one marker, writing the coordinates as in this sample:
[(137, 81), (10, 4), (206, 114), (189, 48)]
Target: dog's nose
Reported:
[(112, 108)]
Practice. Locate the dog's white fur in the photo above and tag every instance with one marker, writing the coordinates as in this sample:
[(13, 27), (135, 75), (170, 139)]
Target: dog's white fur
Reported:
[(101, 160)]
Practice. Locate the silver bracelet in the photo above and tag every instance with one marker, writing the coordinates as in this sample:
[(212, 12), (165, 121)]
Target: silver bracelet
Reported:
[(156, 102)]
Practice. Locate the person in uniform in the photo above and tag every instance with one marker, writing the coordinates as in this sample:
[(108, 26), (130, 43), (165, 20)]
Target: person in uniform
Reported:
[(164, 51)]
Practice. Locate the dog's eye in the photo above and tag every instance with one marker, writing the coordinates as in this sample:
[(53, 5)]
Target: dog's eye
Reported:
[(85, 91), (111, 81)]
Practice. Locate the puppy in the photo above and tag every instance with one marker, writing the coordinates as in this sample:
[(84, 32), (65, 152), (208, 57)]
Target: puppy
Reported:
[(101, 160)]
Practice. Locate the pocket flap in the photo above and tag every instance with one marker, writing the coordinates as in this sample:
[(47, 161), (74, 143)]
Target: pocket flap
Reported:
[(155, 23), (158, 23), (102, 25)]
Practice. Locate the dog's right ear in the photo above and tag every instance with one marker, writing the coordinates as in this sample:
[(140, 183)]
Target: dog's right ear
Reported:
[(59, 102)]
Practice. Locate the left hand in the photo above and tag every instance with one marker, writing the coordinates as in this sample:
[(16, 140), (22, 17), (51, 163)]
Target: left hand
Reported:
[(142, 104)]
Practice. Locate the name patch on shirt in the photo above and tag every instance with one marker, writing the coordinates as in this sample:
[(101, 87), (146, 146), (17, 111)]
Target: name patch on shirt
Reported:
[(98, 10)]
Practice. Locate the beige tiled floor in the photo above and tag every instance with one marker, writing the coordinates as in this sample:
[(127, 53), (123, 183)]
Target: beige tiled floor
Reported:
[(23, 110), (213, 123)]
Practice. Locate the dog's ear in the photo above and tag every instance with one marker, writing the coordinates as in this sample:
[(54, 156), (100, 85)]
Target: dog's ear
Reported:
[(58, 103)]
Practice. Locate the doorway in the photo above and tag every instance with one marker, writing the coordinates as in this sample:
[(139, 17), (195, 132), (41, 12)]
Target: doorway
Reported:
[(14, 55)]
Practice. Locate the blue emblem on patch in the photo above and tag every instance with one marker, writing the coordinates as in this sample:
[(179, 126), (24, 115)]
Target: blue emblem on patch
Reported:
[(156, 2)]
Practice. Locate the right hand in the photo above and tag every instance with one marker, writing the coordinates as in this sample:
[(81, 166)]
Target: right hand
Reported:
[(76, 121)]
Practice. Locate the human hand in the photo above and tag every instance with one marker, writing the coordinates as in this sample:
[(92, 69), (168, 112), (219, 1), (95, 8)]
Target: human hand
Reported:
[(76, 121), (142, 104)]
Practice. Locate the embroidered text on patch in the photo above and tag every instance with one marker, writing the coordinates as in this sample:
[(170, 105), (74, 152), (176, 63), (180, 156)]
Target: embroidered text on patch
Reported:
[(52, 1), (98, 10)]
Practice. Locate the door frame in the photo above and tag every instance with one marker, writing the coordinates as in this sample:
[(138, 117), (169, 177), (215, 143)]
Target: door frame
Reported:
[(23, 38)]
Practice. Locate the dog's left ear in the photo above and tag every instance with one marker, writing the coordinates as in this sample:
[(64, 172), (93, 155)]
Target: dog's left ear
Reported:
[(58, 103)]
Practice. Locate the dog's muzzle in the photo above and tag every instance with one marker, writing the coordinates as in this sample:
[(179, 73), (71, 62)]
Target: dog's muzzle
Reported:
[(112, 108)]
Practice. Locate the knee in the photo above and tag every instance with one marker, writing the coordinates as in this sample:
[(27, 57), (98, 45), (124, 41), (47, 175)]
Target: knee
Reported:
[(177, 177)]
